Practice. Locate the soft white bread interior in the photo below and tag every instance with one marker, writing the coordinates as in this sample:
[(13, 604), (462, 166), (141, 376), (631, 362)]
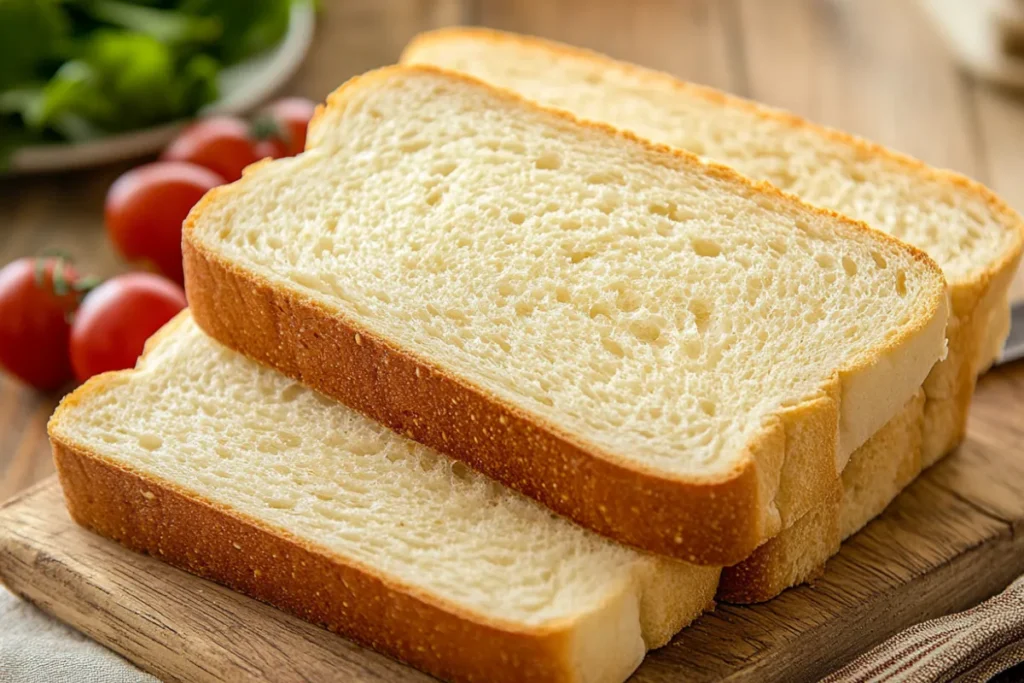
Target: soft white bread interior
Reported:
[(503, 588), (609, 303), (971, 233)]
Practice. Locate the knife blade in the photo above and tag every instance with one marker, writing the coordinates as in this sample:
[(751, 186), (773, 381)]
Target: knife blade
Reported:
[(1013, 349)]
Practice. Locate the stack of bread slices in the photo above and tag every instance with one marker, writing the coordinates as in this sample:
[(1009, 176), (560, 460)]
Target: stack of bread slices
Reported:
[(532, 355)]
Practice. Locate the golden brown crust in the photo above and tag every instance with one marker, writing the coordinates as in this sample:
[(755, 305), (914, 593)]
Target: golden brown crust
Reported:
[(337, 357), (796, 555), (149, 516), (710, 520)]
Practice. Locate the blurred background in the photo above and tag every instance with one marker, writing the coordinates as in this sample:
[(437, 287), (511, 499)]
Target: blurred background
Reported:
[(88, 88)]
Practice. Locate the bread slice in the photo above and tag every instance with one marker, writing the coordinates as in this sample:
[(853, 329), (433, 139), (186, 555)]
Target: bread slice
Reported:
[(236, 473), (969, 231), (652, 346)]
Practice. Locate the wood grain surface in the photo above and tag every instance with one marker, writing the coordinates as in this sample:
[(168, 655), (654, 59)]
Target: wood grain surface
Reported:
[(953, 538)]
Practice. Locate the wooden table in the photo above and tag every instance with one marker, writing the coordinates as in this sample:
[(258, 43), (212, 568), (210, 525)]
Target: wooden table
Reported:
[(873, 67)]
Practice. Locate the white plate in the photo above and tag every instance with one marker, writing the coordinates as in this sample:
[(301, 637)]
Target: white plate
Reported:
[(242, 87)]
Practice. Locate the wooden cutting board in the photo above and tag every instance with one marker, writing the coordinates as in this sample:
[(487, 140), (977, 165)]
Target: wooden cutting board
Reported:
[(953, 538)]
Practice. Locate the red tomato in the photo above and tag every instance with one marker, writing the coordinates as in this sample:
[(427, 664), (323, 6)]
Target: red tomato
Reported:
[(34, 329), (288, 119), (146, 206), (269, 147), (220, 143), (117, 318)]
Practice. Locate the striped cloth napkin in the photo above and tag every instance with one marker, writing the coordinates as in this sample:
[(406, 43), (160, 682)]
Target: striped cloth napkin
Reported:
[(967, 647)]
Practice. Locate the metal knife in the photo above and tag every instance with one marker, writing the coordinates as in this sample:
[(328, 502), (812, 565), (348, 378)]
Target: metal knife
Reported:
[(1013, 349)]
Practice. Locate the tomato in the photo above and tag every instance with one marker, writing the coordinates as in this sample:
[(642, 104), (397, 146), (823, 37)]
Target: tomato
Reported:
[(146, 206), (270, 147), (285, 121), (222, 144), (115, 320), (36, 298)]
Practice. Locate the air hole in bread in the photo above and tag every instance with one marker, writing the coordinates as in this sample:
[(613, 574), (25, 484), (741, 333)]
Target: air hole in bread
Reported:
[(826, 261), (901, 282), (517, 217), (705, 247), (646, 330), (580, 255), (281, 503), (626, 299), (524, 308), (324, 245), (665, 209), (701, 311), (850, 266), (150, 442), (606, 178), (549, 161), (412, 146), (444, 168), (814, 315), (613, 347), (879, 260)]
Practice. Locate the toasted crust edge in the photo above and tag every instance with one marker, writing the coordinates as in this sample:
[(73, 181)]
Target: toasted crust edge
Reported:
[(147, 516), (711, 522)]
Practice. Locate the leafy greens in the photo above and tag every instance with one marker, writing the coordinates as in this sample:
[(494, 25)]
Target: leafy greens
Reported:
[(74, 70)]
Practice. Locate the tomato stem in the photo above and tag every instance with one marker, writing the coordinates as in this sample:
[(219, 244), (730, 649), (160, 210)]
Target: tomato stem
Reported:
[(266, 127), (86, 284)]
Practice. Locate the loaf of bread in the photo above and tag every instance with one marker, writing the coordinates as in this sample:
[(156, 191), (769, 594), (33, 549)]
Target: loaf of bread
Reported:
[(236, 473), (651, 345)]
